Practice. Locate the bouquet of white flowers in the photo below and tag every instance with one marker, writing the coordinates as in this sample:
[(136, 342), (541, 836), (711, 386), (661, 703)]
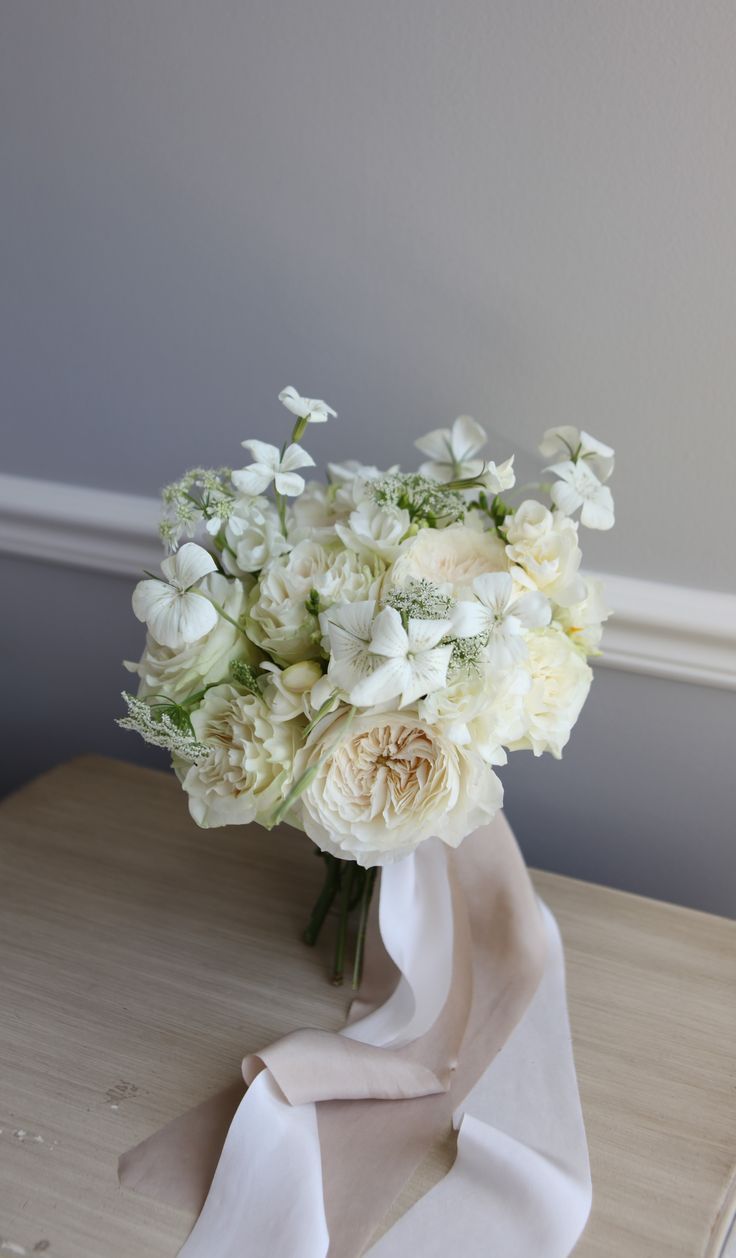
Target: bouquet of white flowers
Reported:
[(356, 658)]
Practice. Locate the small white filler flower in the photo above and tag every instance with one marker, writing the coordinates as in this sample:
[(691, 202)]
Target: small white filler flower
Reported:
[(270, 466), (577, 487), (175, 613)]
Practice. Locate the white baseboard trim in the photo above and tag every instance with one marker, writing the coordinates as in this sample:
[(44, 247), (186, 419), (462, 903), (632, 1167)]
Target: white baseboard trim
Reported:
[(660, 630)]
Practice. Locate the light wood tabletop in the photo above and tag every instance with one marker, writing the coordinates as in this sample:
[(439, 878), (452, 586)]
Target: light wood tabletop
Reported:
[(140, 958)]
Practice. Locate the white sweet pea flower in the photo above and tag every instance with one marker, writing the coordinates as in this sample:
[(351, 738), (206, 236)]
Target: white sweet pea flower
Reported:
[(314, 410), (414, 663), (507, 615), (579, 446), (577, 487), (175, 613), (272, 466), (452, 451)]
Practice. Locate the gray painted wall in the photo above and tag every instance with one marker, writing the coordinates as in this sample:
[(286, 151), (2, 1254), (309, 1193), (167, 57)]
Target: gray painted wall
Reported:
[(516, 208)]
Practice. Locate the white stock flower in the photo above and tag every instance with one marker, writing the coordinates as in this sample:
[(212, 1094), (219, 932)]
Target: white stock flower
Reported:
[(175, 613), (279, 622), (578, 446), (250, 758), (253, 536), (449, 557), (583, 622), (314, 410), (411, 661), (452, 451), (374, 530), (271, 466), (544, 551), (385, 782), (577, 487), (560, 681), (175, 674), (507, 614)]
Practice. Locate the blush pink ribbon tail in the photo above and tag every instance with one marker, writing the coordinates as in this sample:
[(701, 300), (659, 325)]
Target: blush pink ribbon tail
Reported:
[(332, 1125)]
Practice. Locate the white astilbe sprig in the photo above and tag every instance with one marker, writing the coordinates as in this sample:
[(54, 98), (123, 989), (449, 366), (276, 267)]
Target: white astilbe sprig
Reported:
[(163, 726)]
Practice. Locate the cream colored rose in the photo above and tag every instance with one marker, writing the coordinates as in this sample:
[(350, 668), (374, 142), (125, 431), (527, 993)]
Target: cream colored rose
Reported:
[(243, 777), (278, 620), (583, 622), (176, 674), (544, 551), (386, 781), (560, 681), (483, 709), (449, 557)]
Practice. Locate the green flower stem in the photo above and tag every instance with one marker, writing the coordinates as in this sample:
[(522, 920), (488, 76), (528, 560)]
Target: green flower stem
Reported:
[(346, 884), (281, 508), (324, 901), (369, 882)]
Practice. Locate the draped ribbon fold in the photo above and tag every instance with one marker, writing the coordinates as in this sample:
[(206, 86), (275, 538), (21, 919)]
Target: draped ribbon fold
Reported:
[(461, 1019)]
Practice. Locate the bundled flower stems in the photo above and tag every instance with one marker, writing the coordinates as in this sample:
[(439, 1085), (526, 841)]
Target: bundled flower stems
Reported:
[(358, 657)]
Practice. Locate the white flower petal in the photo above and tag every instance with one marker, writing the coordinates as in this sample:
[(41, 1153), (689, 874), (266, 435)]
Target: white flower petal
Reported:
[(182, 619), (436, 445), (388, 636), (295, 456), (494, 589), (382, 684), (148, 594), (597, 513), (428, 673), (467, 438), (565, 497), (290, 484), (253, 480), (468, 619), (263, 452), (423, 635), (533, 610), (190, 563), (566, 437)]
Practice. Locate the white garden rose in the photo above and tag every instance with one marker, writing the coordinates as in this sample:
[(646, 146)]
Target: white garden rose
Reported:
[(253, 536), (560, 681), (483, 709), (177, 674), (279, 621), (242, 778), (385, 782), (449, 557), (375, 530), (313, 515), (543, 547)]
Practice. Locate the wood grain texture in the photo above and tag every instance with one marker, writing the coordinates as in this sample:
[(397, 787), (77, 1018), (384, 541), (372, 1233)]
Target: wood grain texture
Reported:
[(141, 958)]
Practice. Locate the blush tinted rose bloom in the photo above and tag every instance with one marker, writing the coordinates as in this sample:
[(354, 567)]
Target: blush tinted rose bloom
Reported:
[(386, 781), (559, 684), (450, 558), (176, 674), (241, 779)]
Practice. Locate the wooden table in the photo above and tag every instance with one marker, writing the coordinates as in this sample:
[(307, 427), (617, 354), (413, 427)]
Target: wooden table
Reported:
[(141, 957)]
